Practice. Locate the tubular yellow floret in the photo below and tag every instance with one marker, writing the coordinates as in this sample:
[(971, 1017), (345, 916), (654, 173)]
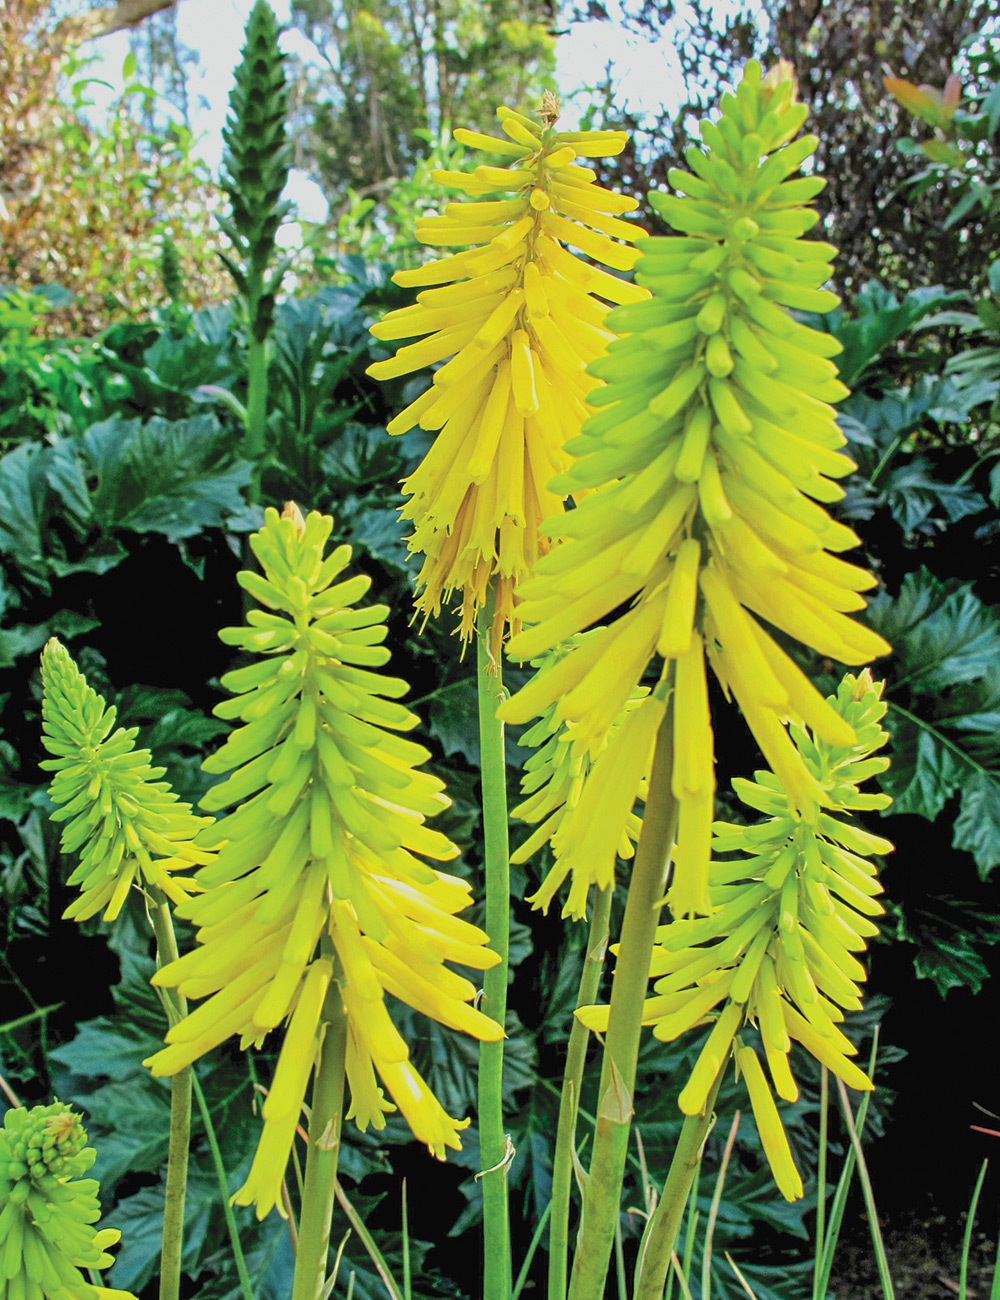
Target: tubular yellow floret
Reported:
[(520, 316)]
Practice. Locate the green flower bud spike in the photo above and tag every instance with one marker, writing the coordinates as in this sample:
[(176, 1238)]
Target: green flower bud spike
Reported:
[(318, 884), (255, 167), (47, 1209), (709, 464), (775, 962), (126, 824)]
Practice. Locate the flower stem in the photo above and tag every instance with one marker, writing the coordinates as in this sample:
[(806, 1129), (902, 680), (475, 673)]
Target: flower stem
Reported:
[(180, 1113), (492, 1140), (669, 1212), (255, 441), (325, 1121), (576, 1055), (602, 1195)]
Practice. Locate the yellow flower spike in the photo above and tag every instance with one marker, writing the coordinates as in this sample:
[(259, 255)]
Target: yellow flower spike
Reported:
[(786, 917), (710, 462), (125, 823), (515, 317), (319, 872)]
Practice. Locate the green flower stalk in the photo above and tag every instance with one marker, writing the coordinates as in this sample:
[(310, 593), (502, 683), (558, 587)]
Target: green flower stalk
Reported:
[(127, 825), (776, 961), (47, 1209), (709, 464), (255, 169), (318, 903)]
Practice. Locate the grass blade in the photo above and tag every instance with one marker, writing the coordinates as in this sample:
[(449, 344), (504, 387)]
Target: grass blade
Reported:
[(536, 1237), (963, 1276), (706, 1263), (843, 1187), (406, 1247), (374, 1254), (824, 1137), (869, 1195)]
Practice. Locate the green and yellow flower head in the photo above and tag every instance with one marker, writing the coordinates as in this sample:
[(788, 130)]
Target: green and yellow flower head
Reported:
[(519, 315), (125, 822), (47, 1209), (713, 446), (787, 917), (320, 875), (586, 834)]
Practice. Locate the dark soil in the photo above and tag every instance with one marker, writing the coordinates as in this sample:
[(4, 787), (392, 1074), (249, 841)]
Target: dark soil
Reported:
[(924, 1251)]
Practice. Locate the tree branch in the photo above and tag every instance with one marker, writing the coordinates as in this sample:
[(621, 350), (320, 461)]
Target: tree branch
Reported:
[(94, 23)]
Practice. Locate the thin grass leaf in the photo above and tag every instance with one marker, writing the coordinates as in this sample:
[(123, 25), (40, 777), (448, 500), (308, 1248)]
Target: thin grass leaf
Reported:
[(536, 1237), (220, 1173), (869, 1195), (620, 1261), (706, 1263), (963, 1276), (824, 1124), (406, 1247), (374, 1254), (678, 1273), (332, 1281), (739, 1276), (843, 1187)]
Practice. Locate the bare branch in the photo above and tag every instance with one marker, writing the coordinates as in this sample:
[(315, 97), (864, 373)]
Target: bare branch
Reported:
[(94, 23)]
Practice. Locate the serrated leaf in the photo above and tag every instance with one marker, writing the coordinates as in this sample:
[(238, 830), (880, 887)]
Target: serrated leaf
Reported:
[(977, 826), (139, 1218), (944, 705), (171, 477), (940, 631), (453, 719)]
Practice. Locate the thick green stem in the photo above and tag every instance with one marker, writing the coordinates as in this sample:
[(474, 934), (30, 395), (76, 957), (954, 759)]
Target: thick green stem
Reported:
[(602, 1195), (492, 1139), (569, 1103), (180, 1115), (255, 441), (669, 1212), (325, 1122)]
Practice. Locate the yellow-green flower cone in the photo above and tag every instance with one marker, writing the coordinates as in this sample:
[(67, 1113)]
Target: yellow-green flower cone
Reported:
[(320, 873), (126, 824), (788, 917), (714, 446), (47, 1209), (520, 316)]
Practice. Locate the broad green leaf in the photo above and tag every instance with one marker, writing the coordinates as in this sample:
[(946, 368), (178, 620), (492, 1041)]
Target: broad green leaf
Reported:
[(944, 704)]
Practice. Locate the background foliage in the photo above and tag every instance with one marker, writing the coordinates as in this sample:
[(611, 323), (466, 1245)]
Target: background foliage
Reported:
[(124, 509)]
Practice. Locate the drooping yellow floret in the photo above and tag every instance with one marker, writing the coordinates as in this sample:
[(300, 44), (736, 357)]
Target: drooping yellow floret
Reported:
[(320, 873), (516, 316), (568, 786), (707, 463), (788, 917), (127, 825)]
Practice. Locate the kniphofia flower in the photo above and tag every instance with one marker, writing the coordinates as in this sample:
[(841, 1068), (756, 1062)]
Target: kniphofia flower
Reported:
[(788, 916), (519, 315), (584, 845), (713, 447), (126, 824), (320, 874), (47, 1210)]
